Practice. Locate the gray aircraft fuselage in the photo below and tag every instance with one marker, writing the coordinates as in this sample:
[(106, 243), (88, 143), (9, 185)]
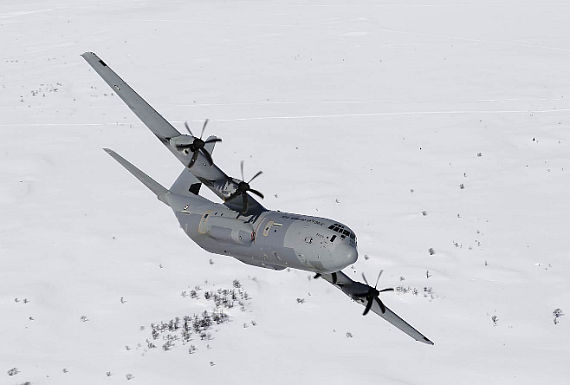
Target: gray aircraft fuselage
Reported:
[(241, 227), (272, 239)]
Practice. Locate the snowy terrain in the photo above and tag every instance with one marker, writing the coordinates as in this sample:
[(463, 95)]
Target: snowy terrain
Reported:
[(422, 125)]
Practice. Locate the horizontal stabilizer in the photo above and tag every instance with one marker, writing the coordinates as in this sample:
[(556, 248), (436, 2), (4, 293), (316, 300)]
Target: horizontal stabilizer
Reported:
[(152, 185)]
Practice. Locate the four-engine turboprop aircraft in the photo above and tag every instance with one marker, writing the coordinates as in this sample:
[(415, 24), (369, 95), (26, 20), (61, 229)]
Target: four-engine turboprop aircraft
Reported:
[(241, 227)]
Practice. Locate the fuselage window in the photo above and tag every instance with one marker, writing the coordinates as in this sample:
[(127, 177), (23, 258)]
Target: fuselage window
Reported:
[(352, 236), (346, 232), (205, 215), (333, 238)]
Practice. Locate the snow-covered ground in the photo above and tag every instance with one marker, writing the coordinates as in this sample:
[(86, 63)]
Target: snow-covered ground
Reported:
[(422, 125)]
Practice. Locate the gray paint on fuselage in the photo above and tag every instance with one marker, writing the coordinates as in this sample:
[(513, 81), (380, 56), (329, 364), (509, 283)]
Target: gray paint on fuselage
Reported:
[(293, 240), (279, 239)]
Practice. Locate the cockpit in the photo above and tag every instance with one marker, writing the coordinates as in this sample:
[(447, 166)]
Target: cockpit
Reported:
[(343, 231)]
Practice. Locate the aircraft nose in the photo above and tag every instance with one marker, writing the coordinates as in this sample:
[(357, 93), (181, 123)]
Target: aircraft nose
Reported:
[(347, 255), (352, 255), (343, 256)]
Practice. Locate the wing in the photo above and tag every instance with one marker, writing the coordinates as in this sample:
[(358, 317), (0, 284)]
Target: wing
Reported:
[(152, 119), (353, 289), (398, 322), (208, 174)]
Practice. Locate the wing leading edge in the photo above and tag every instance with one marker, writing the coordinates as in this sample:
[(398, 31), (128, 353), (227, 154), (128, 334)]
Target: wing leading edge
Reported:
[(208, 174), (355, 289), (149, 116)]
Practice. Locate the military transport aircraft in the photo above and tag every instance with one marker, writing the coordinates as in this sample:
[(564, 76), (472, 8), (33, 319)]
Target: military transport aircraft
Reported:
[(241, 227)]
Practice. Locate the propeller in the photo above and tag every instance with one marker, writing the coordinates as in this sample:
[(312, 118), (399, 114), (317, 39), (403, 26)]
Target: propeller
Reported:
[(242, 189), (373, 294), (197, 145), (333, 275)]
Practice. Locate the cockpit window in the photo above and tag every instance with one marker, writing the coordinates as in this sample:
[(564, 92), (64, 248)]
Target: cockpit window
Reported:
[(342, 231)]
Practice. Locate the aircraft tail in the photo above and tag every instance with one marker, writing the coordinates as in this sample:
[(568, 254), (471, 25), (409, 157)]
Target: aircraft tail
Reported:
[(186, 184), (159, 190)]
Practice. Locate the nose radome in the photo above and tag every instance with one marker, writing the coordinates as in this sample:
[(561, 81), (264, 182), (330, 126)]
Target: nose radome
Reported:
[(344, 255), (352, 255)]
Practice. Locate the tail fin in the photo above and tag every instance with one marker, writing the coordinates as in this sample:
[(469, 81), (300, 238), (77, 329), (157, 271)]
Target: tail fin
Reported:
[(150, 183), (186, 183)]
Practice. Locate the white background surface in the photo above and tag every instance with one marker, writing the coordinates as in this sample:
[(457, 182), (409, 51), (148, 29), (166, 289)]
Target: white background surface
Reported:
[(359, 102)]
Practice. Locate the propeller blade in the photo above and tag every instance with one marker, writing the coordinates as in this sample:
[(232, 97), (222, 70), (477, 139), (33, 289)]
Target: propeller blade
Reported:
[(193, 160), (256, 193), (364, 277), (378, 279), (188, 128), (241, 167), (208, 156), (382, 307), (213, 140), (244, 200), (203, 128), (255, 176), (368, 306), (387, 289)]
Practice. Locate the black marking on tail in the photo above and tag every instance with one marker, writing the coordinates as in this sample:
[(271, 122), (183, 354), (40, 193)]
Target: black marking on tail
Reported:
[(195, 188)]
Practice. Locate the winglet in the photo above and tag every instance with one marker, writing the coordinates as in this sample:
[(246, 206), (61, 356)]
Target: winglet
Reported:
[(150, 183)]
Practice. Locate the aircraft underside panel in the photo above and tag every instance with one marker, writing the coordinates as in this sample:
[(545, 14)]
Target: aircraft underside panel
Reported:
[(258, 263)]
